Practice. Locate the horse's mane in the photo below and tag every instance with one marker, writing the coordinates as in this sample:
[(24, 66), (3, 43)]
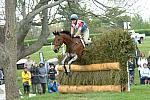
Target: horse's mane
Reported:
[(66, 32)]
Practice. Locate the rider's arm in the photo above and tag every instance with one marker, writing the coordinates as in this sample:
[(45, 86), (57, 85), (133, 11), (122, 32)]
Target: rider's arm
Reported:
[(72, 30), (79, 29), (78, 33)]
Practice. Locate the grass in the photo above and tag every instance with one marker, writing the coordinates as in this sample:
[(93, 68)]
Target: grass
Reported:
[(145, 46), (138, 92), (47, 52)]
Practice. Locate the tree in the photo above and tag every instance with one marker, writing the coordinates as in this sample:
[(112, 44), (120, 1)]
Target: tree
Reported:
[(25, 24), (114, 17), (9, 47), (139, 23)]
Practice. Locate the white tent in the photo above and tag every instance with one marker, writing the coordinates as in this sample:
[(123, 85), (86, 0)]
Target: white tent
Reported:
[(53, 61), (22, 61)]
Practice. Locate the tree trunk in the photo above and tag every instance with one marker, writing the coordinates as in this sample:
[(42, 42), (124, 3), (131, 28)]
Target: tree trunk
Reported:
[(2, 35), (10, 70)]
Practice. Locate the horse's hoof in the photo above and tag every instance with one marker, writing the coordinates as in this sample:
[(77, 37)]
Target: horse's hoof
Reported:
[(66, 73)]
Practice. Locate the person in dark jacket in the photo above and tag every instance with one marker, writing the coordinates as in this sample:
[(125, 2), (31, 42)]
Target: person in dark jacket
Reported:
[(34, 78), (137, 55), (1, 77), (52, 72), (131, 67)]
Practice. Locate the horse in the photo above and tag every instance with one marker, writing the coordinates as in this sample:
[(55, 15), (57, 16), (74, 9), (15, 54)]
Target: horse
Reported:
[(74, 48)]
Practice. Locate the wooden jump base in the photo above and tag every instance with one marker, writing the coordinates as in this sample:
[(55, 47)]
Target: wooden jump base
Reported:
[(93, 67), (111, 82), (88, 88)]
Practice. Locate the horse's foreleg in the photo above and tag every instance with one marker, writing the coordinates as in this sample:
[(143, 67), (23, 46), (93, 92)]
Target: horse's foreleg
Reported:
[(63, 63), (70, 62)]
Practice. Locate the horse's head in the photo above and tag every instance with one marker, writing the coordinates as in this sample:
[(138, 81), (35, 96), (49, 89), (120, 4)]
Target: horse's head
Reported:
[(58, 41)]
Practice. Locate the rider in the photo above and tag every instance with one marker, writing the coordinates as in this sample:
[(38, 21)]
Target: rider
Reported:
[(81, 26)]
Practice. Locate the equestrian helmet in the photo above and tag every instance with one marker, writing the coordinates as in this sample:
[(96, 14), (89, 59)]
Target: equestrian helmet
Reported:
[(74, 17)]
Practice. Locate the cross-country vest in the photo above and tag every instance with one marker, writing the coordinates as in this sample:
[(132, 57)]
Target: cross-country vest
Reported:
[(81, 25)]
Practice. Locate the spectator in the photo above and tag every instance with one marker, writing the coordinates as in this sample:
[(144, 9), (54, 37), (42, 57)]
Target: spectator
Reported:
[(131, 66), (1, 77), (145, 73), (141, 61), (34, 78), (53, 87), (42, 76), (26, 79), (148, 60), (136, 40), (52, 72), (137, 55)]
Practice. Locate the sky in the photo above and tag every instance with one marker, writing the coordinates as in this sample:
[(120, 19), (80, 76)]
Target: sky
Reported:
[(144, 8), (141, 7)]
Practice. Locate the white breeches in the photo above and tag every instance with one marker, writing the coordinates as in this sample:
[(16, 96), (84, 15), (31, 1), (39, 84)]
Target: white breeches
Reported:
[(86, 37)]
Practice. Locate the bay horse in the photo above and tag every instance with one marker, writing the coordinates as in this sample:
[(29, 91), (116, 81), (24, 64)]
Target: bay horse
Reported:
[(74, 48)]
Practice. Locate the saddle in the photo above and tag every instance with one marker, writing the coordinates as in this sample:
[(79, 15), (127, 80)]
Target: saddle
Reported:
[(81, 39)]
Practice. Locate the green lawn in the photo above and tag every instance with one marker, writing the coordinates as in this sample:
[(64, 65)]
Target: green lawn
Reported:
[(47, 52), (138, 92), (145, 46)]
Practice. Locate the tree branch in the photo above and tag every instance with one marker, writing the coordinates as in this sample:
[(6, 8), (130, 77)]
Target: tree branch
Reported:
[(41, 40), (30, 16), (25, 24), (101, 4)]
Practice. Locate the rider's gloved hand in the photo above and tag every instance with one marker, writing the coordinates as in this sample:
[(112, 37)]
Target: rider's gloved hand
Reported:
[(75, 35)]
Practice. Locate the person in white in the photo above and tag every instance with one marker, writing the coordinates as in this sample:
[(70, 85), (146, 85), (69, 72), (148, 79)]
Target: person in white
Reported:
[(145, 74), (141, 61)]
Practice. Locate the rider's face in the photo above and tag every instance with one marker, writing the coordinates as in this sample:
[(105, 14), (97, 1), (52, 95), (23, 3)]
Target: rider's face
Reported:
[(73, 21)]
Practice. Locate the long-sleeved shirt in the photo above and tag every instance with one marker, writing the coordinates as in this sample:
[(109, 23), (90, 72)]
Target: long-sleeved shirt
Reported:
[(145, 72), (142, 61), (26, 77), (42, 75)]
